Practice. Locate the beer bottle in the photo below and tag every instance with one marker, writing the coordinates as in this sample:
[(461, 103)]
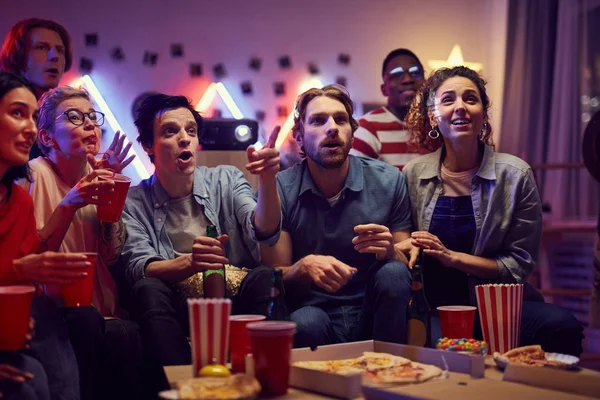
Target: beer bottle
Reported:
[(419, 330), (213, 279)]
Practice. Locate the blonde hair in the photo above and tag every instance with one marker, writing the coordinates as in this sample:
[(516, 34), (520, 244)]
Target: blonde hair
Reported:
[(48, 105)]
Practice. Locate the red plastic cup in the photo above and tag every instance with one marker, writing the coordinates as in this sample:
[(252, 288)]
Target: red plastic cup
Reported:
[(239, 341), (15, 311), (112, 212), (457, 321), (79, 294), (271, 343)]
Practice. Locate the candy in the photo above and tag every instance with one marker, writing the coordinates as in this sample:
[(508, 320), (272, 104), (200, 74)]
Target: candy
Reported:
[(463, 345)]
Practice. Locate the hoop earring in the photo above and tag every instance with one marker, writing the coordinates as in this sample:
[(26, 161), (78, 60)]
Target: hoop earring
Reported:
[(484, 129), (433, 134)]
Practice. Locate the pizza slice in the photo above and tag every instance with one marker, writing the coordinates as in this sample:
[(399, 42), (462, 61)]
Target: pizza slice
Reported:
[(371, 361), (527, 355), (342, 367), (408, 373)]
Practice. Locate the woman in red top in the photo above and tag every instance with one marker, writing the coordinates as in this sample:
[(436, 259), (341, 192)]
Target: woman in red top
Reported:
[(19, 262)]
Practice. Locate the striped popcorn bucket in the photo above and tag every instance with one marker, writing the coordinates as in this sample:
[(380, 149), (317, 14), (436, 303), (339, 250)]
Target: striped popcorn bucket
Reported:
[(500, 308), (209, 331)]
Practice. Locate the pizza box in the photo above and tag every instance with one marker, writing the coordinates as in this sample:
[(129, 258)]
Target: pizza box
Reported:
[(461, 386), (582, 382), (350, 386)]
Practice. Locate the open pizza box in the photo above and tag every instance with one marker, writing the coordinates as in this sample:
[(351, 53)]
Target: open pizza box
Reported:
[(350, 386), (581, 382)]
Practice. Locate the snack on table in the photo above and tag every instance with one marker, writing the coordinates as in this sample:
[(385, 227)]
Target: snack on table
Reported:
[(235, 387), (467, 345), (377, 367), (535, 356)]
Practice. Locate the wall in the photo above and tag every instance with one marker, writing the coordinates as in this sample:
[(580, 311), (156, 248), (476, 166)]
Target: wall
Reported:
[(231, 32)]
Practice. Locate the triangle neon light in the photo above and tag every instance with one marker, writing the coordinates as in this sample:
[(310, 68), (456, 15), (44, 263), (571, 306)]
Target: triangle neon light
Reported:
[(209, 96), (92, 89)]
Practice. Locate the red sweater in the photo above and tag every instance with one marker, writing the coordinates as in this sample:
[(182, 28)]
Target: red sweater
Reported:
[(18, 233)]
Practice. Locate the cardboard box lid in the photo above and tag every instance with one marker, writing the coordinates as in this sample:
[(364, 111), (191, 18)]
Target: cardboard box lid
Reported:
[(586, 383), (460, 386)]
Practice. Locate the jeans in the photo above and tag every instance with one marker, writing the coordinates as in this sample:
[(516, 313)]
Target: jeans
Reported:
[(163, 315), (548, 325), (34, 389), (52, 348), (109, 354), (382, 315)]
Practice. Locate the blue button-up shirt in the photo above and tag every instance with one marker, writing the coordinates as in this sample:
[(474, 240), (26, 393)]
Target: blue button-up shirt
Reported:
[(506, 204), (228, 202), (374, 192)]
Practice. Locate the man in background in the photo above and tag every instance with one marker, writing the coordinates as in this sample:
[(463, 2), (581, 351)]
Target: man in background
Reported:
[(382, 133)]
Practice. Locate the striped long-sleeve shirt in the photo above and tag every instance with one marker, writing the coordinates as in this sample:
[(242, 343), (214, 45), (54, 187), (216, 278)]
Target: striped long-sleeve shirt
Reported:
[(383, 136)]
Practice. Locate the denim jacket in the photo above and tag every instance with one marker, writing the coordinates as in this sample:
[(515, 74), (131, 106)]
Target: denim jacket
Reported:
[(229, 204), (506, 204)]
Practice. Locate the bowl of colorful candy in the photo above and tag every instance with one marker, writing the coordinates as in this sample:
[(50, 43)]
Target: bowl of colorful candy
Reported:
[(463, 345)]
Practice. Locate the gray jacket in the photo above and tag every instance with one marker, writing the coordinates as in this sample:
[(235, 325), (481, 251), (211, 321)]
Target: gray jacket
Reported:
[(506, 204)]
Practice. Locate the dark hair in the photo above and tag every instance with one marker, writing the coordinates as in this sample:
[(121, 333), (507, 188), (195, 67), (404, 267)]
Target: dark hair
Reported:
[(13, 56), (151, 107), (137, 102), (417, 118), (336, 92), (395, 53), (8, 82)]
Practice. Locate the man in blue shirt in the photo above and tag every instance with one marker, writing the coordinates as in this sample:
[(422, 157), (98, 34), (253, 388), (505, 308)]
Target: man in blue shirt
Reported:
[(343, 218), (167, 215)]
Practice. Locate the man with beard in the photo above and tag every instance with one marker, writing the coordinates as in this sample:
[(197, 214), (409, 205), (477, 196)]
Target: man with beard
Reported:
[(343, 218), (382, 133)]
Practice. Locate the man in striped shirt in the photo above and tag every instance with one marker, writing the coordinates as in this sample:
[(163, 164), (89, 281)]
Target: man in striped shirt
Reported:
[(382, 133)]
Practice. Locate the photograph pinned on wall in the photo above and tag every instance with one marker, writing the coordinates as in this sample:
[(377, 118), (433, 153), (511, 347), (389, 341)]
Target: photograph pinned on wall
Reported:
[(313, 69), (150, 58), (176, 50), (117, 54), (344, 59), (285, 62), (279, 88), (91, 39), (260, 115), (282, 111), (195, 69), (86, 65), (246, 87), (219, 70), (342, 80), (255, 63)]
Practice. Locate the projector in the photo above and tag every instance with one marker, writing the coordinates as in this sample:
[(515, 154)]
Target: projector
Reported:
[(228, 134)]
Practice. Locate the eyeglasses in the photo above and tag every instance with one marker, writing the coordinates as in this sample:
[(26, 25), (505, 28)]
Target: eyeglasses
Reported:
[(415, 72), (77, 117)]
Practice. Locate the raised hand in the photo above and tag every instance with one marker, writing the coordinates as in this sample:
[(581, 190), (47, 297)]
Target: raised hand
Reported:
[(87, 190), (51, 267), (376, 239), (114, 158), (327, 272), (433, 246), (209, 253), (264, 162), (12, 374)]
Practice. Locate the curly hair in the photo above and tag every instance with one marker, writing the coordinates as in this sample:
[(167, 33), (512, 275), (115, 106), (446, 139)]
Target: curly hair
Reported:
[(417, 119), (334, 91)]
